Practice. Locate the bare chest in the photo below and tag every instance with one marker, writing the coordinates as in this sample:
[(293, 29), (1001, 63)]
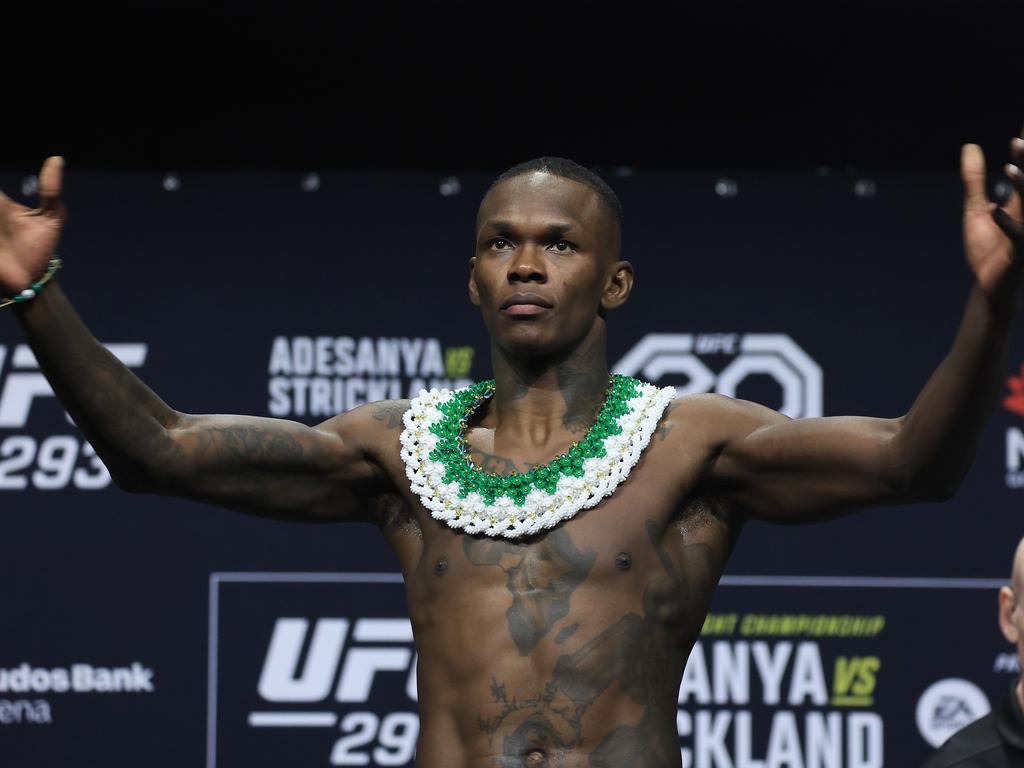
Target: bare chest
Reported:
[(649, 550), (656, 488)]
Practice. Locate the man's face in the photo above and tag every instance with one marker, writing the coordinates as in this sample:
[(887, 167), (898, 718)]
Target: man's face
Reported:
[(546, 264), (1011, 607)]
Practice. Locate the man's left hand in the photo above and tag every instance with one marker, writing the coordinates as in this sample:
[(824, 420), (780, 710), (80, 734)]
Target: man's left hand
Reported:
[(994, 234)]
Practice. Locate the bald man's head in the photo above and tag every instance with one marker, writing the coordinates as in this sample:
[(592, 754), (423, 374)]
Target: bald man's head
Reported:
[(1011, 607), (1017, 569)]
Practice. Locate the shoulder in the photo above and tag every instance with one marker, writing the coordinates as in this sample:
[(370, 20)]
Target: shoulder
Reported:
[(387, 413), (367, 424), (719, 419), (971, 746), (713, 405)]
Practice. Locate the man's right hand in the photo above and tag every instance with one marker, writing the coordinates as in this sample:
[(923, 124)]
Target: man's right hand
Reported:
[(29, 236)]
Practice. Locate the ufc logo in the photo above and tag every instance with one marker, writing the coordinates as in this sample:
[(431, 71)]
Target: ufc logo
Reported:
[(771, 354), (282, 680)]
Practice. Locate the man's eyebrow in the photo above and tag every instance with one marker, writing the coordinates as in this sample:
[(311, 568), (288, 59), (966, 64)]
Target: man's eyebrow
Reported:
[(498, 224), (551, 229)]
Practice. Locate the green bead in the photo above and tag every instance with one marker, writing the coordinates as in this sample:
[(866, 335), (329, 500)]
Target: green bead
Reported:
[(452, 450)]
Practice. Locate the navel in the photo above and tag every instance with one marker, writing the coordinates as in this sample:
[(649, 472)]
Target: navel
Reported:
[(623, 561), (441, 566), (536, 758)]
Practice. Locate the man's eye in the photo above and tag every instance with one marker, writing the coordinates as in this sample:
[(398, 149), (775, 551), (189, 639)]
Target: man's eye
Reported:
[(500, 243), (563, 245)]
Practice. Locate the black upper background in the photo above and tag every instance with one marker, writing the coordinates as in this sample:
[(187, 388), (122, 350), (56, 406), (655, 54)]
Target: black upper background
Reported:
[(455, 86)]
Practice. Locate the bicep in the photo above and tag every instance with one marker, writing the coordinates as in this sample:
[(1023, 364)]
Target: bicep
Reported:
[(798, 470), (271, 467)]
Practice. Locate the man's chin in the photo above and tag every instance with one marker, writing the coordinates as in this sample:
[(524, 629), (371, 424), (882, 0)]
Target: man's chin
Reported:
[(527, 340)]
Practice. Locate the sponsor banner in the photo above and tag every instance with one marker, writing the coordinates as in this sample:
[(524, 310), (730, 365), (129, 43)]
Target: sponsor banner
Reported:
[(320, 376), (27, 692), (1013, 402), (838, 672), (312, 669), (320, 669), (39, 453)]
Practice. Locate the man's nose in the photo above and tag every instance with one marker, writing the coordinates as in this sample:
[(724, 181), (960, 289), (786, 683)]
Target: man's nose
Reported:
[(528, 267)]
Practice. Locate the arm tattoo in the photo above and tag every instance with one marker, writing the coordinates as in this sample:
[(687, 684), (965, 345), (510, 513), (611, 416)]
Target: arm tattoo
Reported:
[(238, 443), (390, 412), (664, 427)]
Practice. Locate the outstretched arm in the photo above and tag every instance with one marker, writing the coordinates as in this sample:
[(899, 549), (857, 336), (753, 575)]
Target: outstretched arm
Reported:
[(810, 469), (258, 465)]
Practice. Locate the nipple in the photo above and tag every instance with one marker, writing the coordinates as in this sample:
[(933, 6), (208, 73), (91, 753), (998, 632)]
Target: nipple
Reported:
[(623, 561)]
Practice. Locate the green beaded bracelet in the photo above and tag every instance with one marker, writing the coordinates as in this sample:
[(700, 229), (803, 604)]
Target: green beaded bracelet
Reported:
[(30, 293)]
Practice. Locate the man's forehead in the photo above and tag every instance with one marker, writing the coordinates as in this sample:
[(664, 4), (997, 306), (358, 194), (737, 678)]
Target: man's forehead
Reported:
[(539, 194), (1017, 577)]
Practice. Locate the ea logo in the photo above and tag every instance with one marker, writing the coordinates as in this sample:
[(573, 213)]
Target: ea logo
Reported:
[(772, 354), (947, 706)]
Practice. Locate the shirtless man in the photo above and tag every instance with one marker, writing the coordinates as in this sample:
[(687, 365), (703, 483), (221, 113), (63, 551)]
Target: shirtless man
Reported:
[(562, 647)]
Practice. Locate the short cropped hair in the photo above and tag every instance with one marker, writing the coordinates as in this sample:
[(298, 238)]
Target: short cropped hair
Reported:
[(566, 169)]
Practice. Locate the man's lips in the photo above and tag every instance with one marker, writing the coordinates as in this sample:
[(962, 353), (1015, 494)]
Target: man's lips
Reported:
[(525, 304)]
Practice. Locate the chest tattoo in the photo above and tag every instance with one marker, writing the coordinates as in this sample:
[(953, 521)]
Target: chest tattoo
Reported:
[(541, 578)]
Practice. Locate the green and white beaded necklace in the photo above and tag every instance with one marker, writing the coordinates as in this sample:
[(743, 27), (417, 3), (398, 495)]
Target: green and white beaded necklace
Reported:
[(464, 496)]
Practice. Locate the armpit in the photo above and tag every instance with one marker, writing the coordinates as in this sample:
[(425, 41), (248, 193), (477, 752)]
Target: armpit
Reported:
[(698, 512), (393, 516)]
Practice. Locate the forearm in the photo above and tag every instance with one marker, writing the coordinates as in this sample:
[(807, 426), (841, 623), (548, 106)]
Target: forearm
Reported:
[(123, 419), (937, 439)]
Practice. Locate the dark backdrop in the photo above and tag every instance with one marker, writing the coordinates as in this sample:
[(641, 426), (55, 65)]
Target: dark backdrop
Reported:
[(387, 104), (201, 283), (172, 84)]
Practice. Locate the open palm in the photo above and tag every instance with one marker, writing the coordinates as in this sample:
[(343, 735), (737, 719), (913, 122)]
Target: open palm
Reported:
[(29, 236), (992, 234)]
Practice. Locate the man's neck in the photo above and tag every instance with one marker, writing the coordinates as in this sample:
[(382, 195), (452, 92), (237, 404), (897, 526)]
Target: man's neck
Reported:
[(535, 399)]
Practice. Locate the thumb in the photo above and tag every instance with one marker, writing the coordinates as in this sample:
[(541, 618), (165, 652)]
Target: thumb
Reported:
[(972, 171), (50, 181)]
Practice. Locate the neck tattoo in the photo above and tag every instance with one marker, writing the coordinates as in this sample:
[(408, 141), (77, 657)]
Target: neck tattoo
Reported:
[(464, 496)]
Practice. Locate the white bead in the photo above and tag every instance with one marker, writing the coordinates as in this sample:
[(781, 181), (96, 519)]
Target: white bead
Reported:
[(28, 293), (540, 510)]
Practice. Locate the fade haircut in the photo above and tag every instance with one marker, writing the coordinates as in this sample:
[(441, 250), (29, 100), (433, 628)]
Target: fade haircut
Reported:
[(566, 169)]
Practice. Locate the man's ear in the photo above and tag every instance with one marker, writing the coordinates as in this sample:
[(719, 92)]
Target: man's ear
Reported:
[(474, 297), (618, 286), (1007, 607)]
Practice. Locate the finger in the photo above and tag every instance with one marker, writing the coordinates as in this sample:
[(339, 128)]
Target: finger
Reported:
[(1017, 150), (1013, 205), (1015, 175), (1012, 228), (972, 170), (51, 178)]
